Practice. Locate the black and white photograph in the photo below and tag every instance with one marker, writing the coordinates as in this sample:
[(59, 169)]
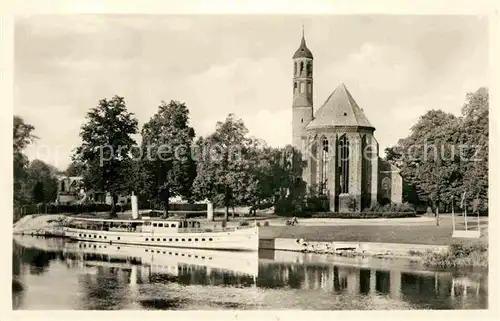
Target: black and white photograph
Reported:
[(250, 162)]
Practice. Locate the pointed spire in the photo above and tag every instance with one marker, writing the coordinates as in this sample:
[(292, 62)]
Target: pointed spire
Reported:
[(303, 51)]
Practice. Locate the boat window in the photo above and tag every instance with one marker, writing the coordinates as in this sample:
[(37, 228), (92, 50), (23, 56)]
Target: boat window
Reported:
[(164, 240), (158, 239), (118, 238), (177, 240), (147, 239), (147, 223), (183, 240), (189, 240), (160, 224), (172, 225), (105, 237), (154, 224), (210, 239), (196, 240), (203, 239)]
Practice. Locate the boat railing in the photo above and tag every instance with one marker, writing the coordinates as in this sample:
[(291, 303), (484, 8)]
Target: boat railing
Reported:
[(211, 230)]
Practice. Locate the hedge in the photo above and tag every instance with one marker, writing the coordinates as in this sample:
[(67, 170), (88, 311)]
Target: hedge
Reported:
[(363, 215), (182, 208)]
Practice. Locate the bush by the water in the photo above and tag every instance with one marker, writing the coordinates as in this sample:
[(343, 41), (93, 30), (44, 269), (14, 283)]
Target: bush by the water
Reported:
[(244, 223), (459, 255), (364, 215)]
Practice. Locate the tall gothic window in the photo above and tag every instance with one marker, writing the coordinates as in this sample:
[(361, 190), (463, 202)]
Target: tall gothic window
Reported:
[(309, 69), (295, 69), (294, 87), (301, 67), (324, 158), (344, 164)]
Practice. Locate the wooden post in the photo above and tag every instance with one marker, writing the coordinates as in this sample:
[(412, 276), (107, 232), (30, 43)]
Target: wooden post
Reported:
[(437, 215), (453, 215), (465, 216)]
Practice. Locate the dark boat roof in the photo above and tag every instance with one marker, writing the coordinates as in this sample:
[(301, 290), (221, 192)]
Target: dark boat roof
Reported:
[(142, 220)]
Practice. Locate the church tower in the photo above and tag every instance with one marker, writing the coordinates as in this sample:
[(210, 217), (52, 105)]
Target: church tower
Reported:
[(302, 106)]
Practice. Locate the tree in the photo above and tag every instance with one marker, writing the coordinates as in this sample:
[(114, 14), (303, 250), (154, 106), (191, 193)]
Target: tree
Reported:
[(167, 162), (428, 159), (106, 145), (474, 132), (223, 166), (42, 182), (286, 176), (445, 155), (22, 137), (75, 168)]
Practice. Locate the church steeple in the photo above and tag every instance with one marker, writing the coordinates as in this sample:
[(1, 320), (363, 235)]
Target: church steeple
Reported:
[(302, 92)]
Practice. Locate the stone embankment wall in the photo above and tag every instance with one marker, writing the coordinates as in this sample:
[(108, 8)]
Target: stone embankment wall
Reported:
[(356, 248), (42, 224)]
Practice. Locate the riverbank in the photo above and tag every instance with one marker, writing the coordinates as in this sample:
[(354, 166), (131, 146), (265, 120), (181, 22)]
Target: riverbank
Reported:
[(416, 240)]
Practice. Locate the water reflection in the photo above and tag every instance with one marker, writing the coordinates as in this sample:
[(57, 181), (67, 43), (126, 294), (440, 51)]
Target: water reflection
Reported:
[(101, 276)]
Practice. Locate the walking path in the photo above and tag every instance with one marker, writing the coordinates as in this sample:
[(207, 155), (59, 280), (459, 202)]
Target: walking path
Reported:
[(339, 221)]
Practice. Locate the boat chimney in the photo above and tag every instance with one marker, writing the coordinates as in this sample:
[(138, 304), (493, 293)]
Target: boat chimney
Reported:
[(210, 211), (135, 208)]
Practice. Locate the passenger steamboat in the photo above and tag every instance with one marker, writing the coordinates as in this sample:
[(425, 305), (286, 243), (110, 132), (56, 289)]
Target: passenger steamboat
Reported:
[(179, 233)]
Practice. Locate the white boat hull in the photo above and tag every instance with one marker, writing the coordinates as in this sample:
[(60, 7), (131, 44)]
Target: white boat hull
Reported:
[(246, 239)]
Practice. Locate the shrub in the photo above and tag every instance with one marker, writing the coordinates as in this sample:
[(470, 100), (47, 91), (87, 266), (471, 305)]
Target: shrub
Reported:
[(258, 224), (319, 203), (459, 255), (244, 223), (266, 223), (352, 203), (388, 208), (224, 223), (355, 215)]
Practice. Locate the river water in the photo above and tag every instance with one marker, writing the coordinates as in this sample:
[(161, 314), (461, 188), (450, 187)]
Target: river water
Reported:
[(56, 274)]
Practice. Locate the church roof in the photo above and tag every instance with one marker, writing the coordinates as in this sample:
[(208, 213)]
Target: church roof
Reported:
[(303, 51), (339, 109)]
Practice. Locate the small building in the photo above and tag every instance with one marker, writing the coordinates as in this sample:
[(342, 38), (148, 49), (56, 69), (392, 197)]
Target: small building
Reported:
[(69, 189)]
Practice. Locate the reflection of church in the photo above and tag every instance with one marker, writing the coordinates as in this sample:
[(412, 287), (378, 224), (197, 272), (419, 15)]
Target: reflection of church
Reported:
[(338, 144)]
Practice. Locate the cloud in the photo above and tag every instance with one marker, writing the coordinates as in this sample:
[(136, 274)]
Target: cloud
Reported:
[(57, 25)]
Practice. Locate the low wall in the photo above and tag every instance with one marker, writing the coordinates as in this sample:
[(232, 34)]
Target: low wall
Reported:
[(370, 248)]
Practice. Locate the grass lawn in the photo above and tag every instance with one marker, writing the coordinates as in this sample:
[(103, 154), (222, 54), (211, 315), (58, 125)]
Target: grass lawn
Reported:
[(416, 234)]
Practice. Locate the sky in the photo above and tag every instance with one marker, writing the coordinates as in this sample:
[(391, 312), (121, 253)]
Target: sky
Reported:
[(396, 68)]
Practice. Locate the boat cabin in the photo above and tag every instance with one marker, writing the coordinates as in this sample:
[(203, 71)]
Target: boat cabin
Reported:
[(117, 225)]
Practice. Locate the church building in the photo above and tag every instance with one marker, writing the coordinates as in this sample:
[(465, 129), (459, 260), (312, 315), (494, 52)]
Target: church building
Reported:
[(339, 145)]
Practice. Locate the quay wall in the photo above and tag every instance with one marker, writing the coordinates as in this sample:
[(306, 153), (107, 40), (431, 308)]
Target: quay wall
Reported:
[(368, 248)]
